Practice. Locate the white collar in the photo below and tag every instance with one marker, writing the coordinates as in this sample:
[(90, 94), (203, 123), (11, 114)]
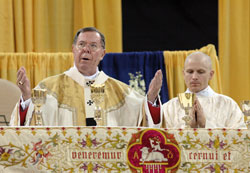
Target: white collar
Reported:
[(92, 77), (207, 92)]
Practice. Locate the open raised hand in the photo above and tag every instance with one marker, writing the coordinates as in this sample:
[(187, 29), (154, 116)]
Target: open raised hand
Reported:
[(23, 83), (155, 86)]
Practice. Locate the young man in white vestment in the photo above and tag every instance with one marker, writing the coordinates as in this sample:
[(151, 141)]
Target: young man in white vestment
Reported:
[(210, 109), (68, 99)]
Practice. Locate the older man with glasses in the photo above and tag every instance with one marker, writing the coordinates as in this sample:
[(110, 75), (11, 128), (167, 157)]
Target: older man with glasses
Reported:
[(68, 99)]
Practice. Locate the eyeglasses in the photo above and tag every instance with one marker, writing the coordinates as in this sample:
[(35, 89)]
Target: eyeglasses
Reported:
[(92, 46)]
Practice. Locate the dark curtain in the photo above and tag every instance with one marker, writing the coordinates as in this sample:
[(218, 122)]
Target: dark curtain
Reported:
[(119, 65), (158, 25)]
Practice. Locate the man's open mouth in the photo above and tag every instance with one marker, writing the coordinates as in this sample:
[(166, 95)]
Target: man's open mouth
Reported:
[(85, 59)]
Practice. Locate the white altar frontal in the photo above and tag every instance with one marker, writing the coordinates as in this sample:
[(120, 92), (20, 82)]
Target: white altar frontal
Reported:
[(121, 149)]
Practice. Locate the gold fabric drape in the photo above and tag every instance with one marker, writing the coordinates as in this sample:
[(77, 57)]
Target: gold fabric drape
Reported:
[(38, 65), (174, 62), (234, 48), (50, 25)]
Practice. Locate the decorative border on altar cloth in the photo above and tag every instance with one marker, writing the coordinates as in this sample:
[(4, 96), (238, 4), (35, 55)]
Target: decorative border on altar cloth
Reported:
[(120, 149)]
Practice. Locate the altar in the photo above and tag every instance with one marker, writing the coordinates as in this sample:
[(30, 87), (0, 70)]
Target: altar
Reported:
[(122, 149)]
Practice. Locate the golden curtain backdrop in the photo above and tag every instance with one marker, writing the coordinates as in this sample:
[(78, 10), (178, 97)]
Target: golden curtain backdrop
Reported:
[(234, 48), (38, 65), (50, 25)]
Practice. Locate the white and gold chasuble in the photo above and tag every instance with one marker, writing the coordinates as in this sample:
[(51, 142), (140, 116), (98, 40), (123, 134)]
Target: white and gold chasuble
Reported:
[(69, 102), (220, 111)]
